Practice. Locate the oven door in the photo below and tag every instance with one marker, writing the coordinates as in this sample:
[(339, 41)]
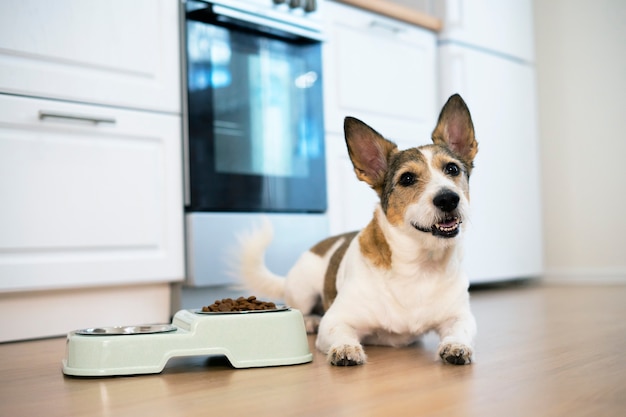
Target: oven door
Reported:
[(255, 115)]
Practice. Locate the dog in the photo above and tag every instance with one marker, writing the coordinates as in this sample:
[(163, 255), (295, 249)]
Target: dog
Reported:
[(401, 276)]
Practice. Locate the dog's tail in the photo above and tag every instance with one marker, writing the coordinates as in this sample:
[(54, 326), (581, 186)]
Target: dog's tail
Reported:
[(252, 270)]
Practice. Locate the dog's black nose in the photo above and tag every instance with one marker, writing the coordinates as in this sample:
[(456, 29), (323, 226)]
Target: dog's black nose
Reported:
[(446, 200)]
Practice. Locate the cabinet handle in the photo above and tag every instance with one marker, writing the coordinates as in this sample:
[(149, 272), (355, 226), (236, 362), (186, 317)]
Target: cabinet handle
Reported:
[(375, 24), (44, 114)]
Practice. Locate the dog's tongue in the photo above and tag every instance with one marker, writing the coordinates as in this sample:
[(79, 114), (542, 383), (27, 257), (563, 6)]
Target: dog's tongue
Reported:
[(448, 223)]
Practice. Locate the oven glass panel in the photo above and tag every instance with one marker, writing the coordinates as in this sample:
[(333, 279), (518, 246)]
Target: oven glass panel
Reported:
[(255, 121)]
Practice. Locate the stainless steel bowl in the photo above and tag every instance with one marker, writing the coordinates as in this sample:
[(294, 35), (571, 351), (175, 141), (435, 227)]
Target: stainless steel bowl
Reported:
[(127, 330)]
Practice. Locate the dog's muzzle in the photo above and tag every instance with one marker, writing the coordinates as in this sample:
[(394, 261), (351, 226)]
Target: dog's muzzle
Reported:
[(449, 225)]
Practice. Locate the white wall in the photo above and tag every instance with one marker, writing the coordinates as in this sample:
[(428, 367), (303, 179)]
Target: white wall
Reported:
[(581, 69)]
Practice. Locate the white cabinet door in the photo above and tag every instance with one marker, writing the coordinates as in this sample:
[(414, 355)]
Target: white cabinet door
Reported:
[(381, 71), (114, 52), (505, 233), (86, 203), (502, 26)]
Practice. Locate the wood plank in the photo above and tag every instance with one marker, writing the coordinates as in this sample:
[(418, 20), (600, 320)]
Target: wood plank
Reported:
[(545, 351)]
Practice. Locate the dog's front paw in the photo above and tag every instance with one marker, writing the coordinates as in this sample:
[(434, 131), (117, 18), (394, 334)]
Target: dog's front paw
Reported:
[(455, 353), (347, 355)]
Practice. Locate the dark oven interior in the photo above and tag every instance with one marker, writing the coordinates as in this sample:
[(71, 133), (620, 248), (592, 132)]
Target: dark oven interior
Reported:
[(254, 116)]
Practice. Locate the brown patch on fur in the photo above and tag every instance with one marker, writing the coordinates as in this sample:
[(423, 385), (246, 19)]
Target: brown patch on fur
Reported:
[(330, 278), (374, 246), (443, 156), (395, 196), (322, 248)]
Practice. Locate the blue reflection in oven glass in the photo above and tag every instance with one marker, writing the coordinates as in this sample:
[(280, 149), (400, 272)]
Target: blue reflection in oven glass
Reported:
[(209, 53), (256, 132), (261, 89)]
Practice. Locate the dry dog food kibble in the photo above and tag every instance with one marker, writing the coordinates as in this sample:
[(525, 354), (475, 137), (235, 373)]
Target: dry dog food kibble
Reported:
[(240, 304)]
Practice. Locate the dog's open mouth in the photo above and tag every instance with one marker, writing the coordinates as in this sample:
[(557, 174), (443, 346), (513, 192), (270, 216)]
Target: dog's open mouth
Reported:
[(447, 228)]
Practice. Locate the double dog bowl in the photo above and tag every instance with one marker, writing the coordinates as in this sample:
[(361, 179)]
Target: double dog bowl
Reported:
[(248, 339)]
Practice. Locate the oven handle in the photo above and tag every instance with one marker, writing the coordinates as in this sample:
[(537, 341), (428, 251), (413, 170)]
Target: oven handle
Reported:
[(284, 24)]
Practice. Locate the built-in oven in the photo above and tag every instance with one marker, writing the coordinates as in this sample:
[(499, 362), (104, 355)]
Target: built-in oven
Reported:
[(254, 129)]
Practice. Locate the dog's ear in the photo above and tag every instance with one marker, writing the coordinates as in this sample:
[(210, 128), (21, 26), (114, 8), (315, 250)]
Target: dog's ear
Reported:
[(455, 129), (369, 152)]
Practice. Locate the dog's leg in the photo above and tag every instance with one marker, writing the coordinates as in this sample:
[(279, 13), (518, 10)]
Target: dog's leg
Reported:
[(312, 323), (303, 288), (340, 342), (457, 336)]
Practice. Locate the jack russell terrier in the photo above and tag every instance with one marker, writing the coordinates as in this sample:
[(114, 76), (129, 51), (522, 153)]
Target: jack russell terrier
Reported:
[(401, 276)]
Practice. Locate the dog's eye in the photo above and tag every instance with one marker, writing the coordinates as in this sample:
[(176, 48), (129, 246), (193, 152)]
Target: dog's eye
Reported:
[(407, 179), (452, 169)]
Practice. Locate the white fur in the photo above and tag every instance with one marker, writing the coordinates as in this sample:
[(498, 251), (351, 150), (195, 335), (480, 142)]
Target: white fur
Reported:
[(394, 307), (252, 263)]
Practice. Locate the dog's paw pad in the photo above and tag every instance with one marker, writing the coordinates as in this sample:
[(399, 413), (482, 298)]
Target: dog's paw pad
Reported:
[(346, 355), (456, 354)]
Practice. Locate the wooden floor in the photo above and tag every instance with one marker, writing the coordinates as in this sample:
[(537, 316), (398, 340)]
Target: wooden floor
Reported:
[(540, 352)]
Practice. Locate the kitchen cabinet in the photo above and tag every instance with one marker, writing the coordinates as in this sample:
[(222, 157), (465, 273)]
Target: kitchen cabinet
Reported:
[(502, 27), (486, 54), (114, 52), (88, 203), (90, 164), (383, 72), (504, 231)]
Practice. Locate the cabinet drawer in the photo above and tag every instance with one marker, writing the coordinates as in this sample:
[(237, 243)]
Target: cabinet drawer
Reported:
[(91, 195), (381, 71), (114, 52)]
